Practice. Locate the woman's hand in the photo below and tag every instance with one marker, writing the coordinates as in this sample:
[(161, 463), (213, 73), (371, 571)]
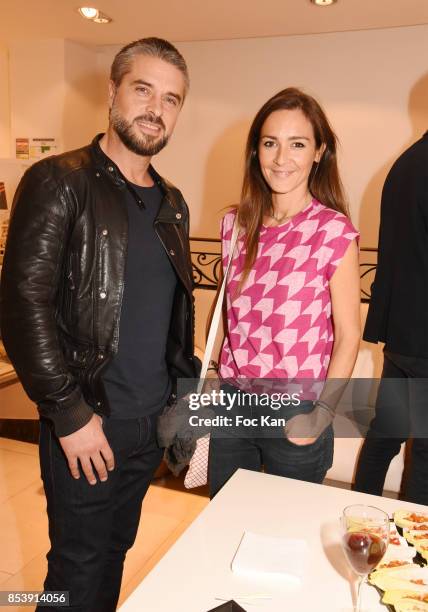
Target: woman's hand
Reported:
[(304, 429)]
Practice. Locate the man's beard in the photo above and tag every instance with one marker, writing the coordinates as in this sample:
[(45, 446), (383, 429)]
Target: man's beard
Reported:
[(143, 144)]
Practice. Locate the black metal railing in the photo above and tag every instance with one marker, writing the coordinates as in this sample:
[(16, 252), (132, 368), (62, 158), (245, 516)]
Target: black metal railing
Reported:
[(367, 271), (206, 263)]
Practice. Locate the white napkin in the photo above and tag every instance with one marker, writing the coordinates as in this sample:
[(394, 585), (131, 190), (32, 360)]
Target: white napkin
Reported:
[(270, 556)]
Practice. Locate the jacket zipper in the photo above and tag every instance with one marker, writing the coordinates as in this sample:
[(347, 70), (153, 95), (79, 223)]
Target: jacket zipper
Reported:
[(174, 265)]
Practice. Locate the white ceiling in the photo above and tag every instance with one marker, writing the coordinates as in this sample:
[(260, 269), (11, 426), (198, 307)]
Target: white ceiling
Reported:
[(187, 20)]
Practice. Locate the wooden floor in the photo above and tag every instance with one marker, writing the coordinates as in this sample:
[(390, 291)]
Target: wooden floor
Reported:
[(167, 511)]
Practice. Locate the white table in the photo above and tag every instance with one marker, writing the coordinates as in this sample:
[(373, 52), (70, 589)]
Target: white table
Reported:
[(196, 569)]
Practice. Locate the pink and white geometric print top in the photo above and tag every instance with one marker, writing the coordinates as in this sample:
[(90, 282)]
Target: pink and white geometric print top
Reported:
[(280, 325)]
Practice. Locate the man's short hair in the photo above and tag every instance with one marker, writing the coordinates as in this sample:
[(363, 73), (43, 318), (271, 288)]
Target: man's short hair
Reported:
[(154, 47)]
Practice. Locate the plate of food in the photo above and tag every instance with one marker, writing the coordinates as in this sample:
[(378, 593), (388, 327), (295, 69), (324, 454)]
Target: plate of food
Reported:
[(402, 575)]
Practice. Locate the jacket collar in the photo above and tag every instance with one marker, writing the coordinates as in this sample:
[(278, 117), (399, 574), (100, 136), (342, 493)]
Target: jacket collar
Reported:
[(168, 209)]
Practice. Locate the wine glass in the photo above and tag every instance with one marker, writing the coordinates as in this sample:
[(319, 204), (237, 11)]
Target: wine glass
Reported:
[(365, 538)]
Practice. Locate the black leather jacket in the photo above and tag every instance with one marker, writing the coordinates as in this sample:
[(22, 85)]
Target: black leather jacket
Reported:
[(63, 278)]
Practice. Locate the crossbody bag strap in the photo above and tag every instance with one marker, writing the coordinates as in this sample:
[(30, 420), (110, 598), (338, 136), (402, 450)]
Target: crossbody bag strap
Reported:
[(215, 321)]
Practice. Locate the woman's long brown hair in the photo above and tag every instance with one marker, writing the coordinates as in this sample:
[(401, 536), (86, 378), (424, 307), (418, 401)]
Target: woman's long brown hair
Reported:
[(324, 181)]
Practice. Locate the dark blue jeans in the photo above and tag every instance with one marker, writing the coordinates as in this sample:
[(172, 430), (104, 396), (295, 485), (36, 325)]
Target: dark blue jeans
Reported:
[(266, 448), (401, 413), (92, 527)]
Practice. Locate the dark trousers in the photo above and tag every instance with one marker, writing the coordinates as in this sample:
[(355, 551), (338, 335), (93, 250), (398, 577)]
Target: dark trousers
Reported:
[(401, 413), (91, 527), (266, 448)]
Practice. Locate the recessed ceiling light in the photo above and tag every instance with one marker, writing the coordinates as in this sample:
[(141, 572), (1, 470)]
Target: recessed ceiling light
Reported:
[(323, 2), (88, 12), (102, 18), (93, 14)]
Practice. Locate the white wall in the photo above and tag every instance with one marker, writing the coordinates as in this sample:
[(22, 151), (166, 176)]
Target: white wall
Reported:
[(36, 89), (54, 92), (4, 103), (49, 88), (84, 93), (373, 84)]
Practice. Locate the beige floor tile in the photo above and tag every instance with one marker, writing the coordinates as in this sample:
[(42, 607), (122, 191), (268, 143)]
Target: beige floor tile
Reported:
[(20, 447), (154, 529), (168, 502), (156, 534), (24, 528), (3, 577), (17, 472), (29, 578), (135, 572), (24, 535)]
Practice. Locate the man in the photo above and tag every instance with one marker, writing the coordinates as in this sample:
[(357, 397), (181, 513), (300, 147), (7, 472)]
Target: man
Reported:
[(97, 319), (398, 316)]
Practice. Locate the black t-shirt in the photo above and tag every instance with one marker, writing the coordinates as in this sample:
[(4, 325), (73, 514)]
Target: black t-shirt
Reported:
[(137, 381)]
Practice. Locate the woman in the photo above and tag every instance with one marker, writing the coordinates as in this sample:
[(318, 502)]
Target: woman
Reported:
[(292, 291)]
